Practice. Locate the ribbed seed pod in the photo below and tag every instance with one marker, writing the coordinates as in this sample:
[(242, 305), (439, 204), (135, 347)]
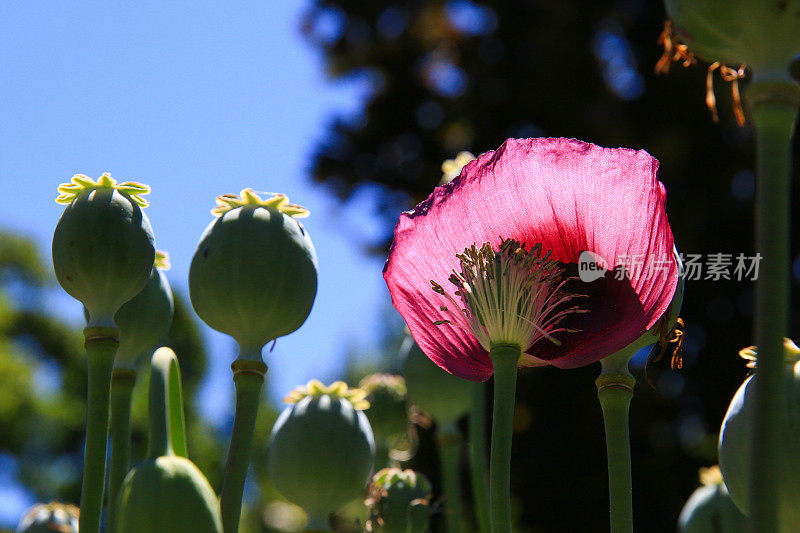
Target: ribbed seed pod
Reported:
[(103, 248), (254, 274), (321, 449)]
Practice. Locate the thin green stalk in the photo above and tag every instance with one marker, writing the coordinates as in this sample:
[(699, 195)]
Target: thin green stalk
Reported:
[(478, 457), (101, 347), (504, 358), (615, 390), (450, 441), (122, 382), (248, 376), (773, 107)]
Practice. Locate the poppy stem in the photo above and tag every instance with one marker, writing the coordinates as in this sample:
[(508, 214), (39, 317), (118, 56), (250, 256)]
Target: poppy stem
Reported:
[(773, 107), (450, 441), (248, 377), (615, 390), (479, 462), (122, 383), (101, 348), (505, 359)]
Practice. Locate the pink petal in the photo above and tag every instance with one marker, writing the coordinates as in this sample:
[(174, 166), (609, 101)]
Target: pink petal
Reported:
[(568, 195)]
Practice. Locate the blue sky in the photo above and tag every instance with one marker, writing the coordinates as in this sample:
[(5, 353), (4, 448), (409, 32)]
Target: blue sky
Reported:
[(195, 99)]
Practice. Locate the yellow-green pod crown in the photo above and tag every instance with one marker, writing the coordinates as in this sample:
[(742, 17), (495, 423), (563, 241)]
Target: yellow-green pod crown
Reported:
[(145, 319), (760, 33), (321, 448), (398, 501), (50, 517), (165, 495), (254, 274), (736, 437), (710, 507), (443, 396), (103, 248)]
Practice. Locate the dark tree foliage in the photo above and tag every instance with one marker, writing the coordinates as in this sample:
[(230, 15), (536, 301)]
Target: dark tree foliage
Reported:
[(462, 75)]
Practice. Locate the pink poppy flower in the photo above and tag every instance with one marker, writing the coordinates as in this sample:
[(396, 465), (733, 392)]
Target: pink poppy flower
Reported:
[(530, 198)]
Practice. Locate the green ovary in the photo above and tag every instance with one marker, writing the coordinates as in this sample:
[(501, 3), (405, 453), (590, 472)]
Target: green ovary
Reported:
[(254, 275)]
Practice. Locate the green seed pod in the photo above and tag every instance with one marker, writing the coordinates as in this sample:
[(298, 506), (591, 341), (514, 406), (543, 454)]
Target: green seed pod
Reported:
[(321, 449), (399, 501), (443, 396), (103, 245), (764, 35), (710, 508), (145, 319), (50, 517), (737, 430), (387, 413), (254, 274), (166, 493)]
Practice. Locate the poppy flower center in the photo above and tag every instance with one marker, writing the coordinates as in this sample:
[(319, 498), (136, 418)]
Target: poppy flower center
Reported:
[(510, 296)]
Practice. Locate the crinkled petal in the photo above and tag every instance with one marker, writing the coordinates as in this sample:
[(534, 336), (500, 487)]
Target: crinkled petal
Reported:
[(568, 195)]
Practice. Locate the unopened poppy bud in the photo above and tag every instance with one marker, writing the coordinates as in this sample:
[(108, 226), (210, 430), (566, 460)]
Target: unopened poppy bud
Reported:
[(321, 448), (710, 507), (49, 518), (399, 501), (166, 492), (443, 396), (254, 274), (103, 248), (735, 440)]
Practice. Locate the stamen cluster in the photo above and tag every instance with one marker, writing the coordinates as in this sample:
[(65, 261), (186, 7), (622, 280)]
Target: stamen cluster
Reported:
[(510, 296)]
